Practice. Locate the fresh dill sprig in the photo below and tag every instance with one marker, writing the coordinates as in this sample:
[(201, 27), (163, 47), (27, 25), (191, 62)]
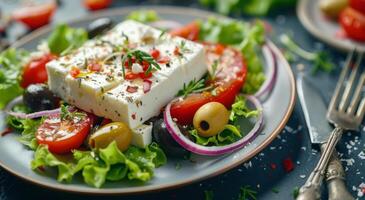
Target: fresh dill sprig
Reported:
[(192, 86), (213, 73)]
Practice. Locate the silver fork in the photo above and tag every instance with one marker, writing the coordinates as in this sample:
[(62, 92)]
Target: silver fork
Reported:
[(344, 116)]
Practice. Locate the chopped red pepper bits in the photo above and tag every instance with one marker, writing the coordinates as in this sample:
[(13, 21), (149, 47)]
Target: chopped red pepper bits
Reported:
[(94, 67), (132, 89), (273, 166), (75, 72), (288, 165), (155, 53)]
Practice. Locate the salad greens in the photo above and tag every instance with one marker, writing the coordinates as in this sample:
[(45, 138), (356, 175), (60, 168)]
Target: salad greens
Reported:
[(250, 7), (244, 36), (232, 132), (320, 59), (11, 64), (64, 39), (143, 16), (27, 127), (97, 166)]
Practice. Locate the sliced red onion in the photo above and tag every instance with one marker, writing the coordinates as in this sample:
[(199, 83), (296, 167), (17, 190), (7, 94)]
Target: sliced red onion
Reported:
[(17, 100), (270, 72), (185, 142), (43, 113), (146, 85), (166, 24)]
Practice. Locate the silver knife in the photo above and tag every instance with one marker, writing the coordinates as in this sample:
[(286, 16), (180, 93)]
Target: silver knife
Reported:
[(315, 110)]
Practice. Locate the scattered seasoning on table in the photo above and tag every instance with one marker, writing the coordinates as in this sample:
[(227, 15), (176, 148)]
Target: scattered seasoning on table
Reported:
[(273, 166), (247, 193), (288, 165)]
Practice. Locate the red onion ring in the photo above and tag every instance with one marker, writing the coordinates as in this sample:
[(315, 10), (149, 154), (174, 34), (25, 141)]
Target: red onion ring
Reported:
[(166, 24), (43, 113), (17, 100), (212, 150), (271, 71)]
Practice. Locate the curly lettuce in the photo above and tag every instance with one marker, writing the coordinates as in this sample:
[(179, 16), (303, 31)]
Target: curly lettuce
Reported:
[(11, 64), (108, 164), (244, 36)]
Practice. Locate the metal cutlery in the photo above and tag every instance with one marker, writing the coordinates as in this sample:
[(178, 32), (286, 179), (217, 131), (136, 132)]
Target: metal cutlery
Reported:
[(314, 109), (344, 115)]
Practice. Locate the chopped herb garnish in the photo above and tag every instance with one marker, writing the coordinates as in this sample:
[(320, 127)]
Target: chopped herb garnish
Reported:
[(295, 192), (140, 56), (208, 195), (163, 32), (320, 59), (66, 114), (247, 193), (193, 86)]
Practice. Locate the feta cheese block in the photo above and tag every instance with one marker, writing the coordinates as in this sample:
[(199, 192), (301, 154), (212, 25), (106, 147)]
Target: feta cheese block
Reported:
[(94, 77)]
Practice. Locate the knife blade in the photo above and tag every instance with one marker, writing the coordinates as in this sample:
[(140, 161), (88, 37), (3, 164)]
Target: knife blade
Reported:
[(314, 110)]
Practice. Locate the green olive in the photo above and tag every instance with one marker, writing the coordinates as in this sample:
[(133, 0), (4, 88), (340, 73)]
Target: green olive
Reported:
[(210, 119), (332, 8), (115, 131)]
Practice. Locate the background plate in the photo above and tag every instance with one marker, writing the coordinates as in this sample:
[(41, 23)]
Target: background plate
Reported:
[(16, 158), (324, 29)]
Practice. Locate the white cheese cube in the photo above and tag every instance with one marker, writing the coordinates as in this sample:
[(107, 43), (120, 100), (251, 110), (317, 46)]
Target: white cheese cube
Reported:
[(142, 135)]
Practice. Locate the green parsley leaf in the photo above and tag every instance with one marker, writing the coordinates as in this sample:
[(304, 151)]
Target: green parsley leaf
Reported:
[(295, 192)]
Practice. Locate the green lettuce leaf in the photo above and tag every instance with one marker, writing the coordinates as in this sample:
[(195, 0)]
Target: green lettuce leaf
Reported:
[(244, 36), (240, 109), (64, 39), (143, 16), (27, 127), (110, 163), (11, 65), (42, 157)]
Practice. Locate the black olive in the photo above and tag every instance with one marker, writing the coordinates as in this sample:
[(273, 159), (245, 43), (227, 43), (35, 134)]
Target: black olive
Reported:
[(99, 26), (166, 142), (38, 97)]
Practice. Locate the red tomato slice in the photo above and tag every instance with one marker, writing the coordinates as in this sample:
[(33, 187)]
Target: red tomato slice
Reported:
[(353, 22), (35, 16), (35, 71), (358, 5), (190, 31), (229, 79), (97, 4), (62, 136)]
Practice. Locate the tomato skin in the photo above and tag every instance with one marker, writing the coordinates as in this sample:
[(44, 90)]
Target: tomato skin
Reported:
[(190, 31), (353, 22), (35, 16), (358, 5), (97, 4), (35, 71), (226, 91), (51, 133)]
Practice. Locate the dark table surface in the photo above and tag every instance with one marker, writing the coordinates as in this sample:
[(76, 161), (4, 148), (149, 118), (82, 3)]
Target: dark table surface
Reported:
[(264, 173)]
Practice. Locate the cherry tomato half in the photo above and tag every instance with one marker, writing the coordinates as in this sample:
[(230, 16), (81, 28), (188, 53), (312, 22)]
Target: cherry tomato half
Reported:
[(353, 22), (97, 4), (190, 31), (35, 16), (35, 71), (228, 81), (62, 136), (358, 5)]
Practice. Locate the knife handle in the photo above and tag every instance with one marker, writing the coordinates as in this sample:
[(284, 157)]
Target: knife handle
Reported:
[(335, 178)]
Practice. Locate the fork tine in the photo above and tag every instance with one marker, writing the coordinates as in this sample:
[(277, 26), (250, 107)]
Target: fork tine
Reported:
[(350, 84), (361, 111), (355, 100), (344, 71)]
